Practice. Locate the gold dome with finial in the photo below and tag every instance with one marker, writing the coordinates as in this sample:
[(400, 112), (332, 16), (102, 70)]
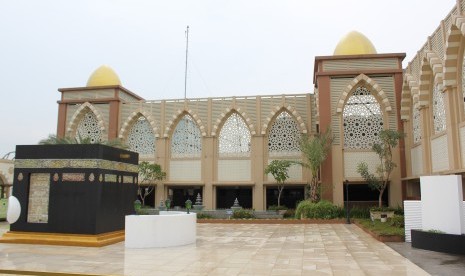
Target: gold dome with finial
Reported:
[(103, 76), (354, 43)]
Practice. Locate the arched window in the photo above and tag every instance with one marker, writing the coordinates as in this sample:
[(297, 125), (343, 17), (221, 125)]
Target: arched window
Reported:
[(416, 126), (362, 120), (186, 140), (89, 128), (234, 139), (439, 111), (141, 138), (284, 136)]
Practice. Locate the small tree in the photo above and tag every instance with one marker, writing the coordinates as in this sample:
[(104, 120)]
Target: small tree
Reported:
[(279, 170), (148, 174), (315, 149), (380, 179)]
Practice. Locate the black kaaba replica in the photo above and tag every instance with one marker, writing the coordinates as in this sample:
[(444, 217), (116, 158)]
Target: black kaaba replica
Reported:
[(73, 194)]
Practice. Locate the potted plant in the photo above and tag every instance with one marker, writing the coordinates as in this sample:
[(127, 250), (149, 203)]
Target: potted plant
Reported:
[(380, 212)]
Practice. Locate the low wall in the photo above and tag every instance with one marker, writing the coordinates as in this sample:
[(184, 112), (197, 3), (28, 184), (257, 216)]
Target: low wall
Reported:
[(170, 228)]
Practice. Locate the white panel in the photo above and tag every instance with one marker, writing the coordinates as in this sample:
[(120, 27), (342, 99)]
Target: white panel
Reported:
[(417, 160), (234, 170), (185, 170), (439, 154), (412, 217), (295, 172), (462, 145), (352, 159), (442, 203)]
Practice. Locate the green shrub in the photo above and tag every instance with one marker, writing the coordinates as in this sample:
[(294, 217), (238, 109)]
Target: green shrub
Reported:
[(382, 209), (276, 207), (290, 213), (397, 221), (243, 214), (360, 212), (204, 216), (321, 210), (399, 211)]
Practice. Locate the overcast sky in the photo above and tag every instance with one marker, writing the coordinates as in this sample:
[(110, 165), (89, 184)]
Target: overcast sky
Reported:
[(239, 47)]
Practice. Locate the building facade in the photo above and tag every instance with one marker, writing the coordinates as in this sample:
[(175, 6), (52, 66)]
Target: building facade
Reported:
[(432, 106), (219, 147)]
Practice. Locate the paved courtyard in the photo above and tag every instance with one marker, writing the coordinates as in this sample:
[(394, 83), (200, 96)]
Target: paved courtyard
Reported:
[(225, 249)]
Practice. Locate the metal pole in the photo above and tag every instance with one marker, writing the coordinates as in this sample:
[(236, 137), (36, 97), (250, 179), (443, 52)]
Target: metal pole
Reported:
[(346, 183), (185, 72)]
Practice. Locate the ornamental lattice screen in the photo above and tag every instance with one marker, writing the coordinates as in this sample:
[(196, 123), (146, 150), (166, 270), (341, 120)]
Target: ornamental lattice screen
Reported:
[(416, 126), (186, 139), (284, 136), (362, 120), (141, 138), (89, 128), (234, 138), (439, 111)]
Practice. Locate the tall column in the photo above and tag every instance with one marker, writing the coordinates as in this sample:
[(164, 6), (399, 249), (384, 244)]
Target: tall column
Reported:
[(452, 114), (209, 161), (61, 127), (258, 160), (324, 97), (113, 120), (258, 163), (208, 168), (426, 139), (398, 79)]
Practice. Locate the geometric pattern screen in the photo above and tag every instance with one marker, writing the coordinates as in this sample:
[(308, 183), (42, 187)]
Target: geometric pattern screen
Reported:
[(234, 137), (439, 110), (284, 136), (416, 126), (88, 128), (186, 140), (141, 138), (362, 120)]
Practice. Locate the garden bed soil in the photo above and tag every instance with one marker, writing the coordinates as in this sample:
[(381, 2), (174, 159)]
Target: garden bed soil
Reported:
[(273, 221), (381, 238)]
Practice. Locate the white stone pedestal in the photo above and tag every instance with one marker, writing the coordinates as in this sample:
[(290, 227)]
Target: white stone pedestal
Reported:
[(168, 229)]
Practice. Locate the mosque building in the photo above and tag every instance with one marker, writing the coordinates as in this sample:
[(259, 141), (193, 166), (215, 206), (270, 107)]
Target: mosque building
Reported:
[(220, 146)]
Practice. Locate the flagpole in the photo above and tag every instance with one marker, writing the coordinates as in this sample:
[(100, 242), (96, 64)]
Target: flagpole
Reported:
[(185, 73)]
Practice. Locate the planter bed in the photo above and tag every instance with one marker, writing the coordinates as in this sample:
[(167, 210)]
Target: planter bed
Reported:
[(439, 242), (273, 221), (379, 237)]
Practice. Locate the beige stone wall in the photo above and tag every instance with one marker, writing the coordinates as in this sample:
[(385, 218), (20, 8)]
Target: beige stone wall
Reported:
[(360, 64), (439, 62), (211, 170)]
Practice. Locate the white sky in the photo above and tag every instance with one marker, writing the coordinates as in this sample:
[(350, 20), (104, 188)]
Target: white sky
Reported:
[(238, 47)]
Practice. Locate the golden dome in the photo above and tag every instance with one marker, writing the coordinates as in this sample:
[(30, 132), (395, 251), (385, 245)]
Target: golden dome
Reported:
[(354, 43), (103, 76)]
